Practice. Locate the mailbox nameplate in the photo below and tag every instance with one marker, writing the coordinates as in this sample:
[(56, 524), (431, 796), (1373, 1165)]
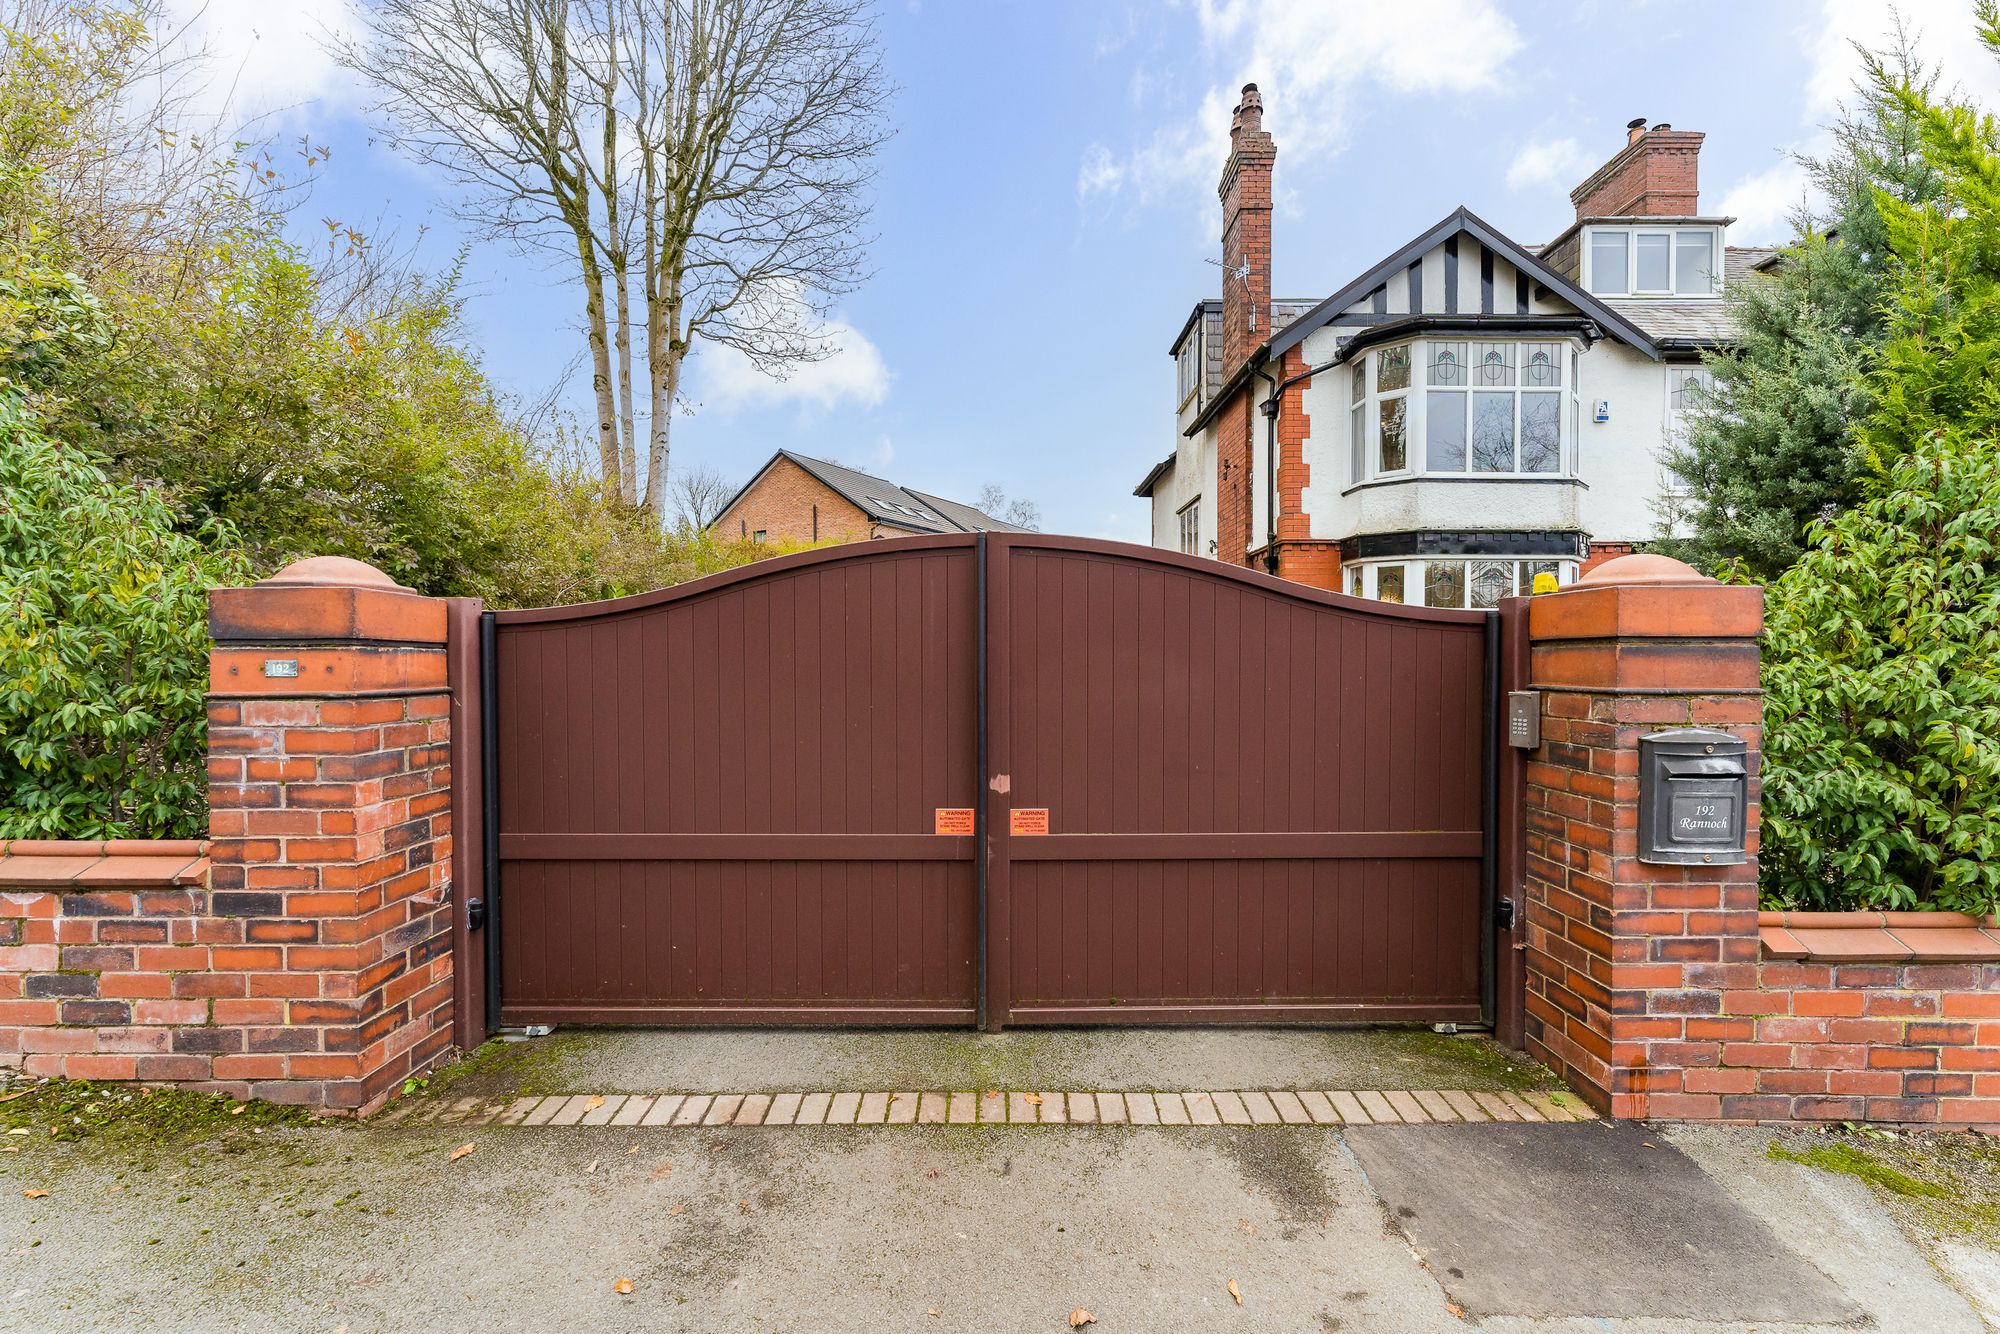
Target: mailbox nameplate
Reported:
[(1694, 789)]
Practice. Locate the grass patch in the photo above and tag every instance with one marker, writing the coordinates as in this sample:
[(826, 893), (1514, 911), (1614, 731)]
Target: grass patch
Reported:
[(75, 1109), (1847, 1159), (1484, 1061), (1940, 1183), (519, 1067)]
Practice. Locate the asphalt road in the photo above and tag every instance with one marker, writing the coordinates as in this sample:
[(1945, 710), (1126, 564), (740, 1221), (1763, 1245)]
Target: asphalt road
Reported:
[(989, 1227)]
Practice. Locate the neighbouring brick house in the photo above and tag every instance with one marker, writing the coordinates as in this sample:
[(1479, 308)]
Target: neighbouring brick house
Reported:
[(796, 499), (1462, 416)]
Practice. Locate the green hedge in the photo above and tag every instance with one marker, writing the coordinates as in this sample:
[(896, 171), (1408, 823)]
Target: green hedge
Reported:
[(103, 648)]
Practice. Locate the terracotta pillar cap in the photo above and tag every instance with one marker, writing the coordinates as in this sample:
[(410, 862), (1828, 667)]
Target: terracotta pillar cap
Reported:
[(334, 572), (1643, 568)]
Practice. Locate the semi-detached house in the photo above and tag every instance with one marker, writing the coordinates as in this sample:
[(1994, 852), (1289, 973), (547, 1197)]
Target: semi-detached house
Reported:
[(1462, 416)]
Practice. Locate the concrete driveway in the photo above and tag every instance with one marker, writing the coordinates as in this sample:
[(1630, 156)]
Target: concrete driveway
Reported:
[(1498, 1226)]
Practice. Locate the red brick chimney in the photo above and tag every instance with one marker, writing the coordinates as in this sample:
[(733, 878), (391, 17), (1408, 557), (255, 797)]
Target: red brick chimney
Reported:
[(1652, 176), (1246, 232)]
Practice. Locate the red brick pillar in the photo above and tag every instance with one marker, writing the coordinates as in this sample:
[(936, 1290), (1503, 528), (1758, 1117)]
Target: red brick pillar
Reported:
[(1628, 963), (329, 795)]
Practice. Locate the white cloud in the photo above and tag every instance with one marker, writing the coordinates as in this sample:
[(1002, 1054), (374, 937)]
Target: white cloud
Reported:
[(1556, 162), (266, 60), (1943, 34), (1311, 63), (1763, 202), (854, 373)]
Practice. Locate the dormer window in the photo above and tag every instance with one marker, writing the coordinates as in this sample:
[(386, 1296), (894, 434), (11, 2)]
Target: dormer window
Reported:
[(1187, 368), (1652, 261)]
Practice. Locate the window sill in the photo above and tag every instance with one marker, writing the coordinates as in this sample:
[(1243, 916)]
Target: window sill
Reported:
[(1404, 479)]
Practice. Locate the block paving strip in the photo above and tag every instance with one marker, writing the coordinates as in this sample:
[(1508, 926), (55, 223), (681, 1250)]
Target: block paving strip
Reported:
[(1230, 1107)]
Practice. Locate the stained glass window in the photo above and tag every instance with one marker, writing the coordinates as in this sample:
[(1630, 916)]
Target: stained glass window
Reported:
[(1444, 583), (1392, 368)]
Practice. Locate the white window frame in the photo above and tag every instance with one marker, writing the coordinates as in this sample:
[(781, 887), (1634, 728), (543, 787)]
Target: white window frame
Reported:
[(1416, 572), (1190, 527), (1187, 368), (1671, 482), (1587, 263), (1377, 396)]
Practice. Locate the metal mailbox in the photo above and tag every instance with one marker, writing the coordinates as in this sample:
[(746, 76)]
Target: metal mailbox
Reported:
[(1694, 793)]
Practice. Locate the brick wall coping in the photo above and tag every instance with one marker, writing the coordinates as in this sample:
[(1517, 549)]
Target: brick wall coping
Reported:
[(53, 864), (1884, 937)]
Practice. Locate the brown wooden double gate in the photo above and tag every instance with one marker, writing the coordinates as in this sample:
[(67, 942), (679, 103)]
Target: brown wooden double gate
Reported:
[(741, 800)]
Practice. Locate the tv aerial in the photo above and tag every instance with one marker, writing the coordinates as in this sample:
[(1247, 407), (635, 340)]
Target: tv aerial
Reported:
[(1242, 274)]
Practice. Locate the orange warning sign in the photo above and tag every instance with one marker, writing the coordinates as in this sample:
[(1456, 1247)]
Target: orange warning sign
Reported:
[(954, 820), (1028, 820)]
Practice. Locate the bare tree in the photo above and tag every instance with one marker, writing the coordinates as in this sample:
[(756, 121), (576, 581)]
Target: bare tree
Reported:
[(1022, 513), (699, 495), (717, 153)]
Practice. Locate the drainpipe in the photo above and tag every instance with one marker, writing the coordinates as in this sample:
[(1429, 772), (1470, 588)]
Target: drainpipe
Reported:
[(1270, 410)]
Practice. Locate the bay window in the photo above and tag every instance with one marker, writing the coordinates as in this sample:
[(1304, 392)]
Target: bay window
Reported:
[(1483, 407)]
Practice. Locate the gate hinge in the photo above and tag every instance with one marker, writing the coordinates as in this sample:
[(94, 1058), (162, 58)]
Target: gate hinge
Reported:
[(1503, 913), (475, 913)]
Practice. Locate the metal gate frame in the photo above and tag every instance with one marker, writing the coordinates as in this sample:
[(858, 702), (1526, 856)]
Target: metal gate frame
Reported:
[(475, 716)]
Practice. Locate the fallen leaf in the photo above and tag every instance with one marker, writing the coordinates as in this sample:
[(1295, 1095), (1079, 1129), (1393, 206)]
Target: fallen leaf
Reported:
[(10, 1148), (743, 1206), (934, 1312), (992, 1093), (1033, 1099), (623, 1287), (592, 1167), (237, 1110), (675, 1210), (592, 1103), (1080, 1317), (18, 1093), (663, 1171), (1236, 1292), (629, 1152), (20, 1131), (1456, 1310), (36, 1194), (461, 1151)]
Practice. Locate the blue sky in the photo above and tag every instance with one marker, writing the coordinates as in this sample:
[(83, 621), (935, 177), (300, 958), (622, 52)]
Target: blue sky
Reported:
[(1047, 206)]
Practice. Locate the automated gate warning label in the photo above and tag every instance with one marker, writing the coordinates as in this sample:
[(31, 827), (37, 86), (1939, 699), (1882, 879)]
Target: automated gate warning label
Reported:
[(954, 820), (1028, 820)]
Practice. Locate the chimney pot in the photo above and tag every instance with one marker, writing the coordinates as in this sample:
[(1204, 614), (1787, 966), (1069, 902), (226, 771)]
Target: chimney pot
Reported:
[(1634, 128), (1662, 126), (1250, 111)]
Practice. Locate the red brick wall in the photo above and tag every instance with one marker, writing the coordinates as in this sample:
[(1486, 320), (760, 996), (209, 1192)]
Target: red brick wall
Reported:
[(332, 847), (782, 503), (1655, 175), (1627, 962), (330, 806), (1246, 232), (1299, 557), (1235, 441), (1600, 552), (1916, 1041), (108, 978)]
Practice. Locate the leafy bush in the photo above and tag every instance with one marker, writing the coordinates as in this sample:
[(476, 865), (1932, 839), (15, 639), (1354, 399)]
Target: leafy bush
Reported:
[(103, 648), (1882, 712)]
